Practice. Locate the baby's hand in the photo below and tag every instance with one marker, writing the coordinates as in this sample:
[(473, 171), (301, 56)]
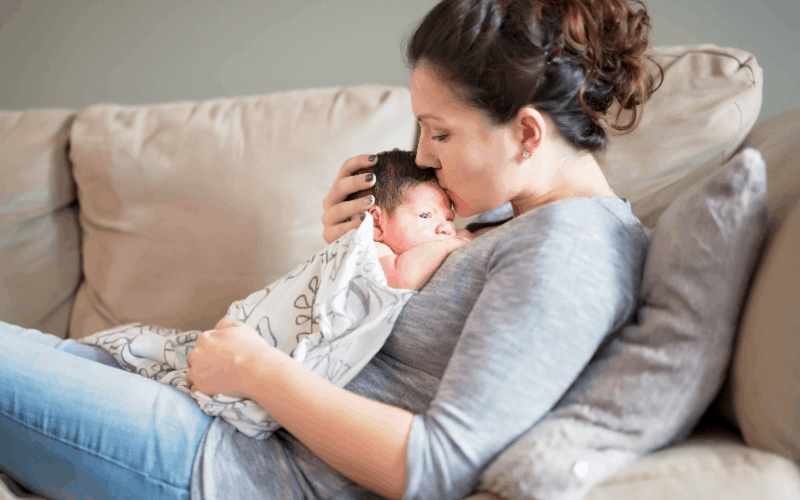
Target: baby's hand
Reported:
[(464, 234), (451, 245)]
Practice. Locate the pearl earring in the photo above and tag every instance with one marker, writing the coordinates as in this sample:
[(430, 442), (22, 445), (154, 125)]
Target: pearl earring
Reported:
[(526, 154)]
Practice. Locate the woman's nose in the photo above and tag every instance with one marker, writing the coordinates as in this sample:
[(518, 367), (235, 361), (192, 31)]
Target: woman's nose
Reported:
[(423, 159)]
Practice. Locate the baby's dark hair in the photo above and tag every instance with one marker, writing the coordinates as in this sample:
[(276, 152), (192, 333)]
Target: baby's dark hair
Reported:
[(395, 171)]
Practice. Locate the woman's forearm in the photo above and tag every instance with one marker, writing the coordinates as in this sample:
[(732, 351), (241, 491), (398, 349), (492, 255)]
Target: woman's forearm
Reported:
[(363, 439)]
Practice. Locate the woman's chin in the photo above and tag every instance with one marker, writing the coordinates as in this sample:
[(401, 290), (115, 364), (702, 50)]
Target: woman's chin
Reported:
[(462, 210), (459, 207)]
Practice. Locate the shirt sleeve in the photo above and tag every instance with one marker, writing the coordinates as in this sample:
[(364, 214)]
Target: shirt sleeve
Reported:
[(555, 287)]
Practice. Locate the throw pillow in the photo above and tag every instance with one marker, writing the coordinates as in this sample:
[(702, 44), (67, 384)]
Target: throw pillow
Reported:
[(647, 387)]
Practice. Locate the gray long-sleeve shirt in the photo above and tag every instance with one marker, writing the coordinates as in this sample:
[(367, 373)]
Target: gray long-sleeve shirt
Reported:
[(479, 355)]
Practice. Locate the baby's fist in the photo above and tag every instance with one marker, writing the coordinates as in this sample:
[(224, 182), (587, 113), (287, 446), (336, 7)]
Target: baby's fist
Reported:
[(464, 234)]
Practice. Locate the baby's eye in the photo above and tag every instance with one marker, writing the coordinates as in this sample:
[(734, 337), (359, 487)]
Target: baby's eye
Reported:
[(424, 216)]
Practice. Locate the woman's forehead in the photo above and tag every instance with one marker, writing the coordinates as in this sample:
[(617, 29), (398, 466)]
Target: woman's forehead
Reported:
[(435, 103), (432, 99)]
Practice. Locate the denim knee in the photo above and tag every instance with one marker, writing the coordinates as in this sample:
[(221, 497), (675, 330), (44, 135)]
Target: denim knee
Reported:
[(70, 346)]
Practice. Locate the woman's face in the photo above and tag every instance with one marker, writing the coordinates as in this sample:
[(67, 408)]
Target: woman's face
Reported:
[(471, 159), (424, 216)]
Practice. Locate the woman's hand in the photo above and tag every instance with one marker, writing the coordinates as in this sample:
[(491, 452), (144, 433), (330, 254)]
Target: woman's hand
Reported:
[(221, 359), (337, 210)]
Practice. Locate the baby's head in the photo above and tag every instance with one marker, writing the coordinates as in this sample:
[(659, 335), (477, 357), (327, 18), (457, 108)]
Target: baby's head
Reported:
[(410, 208)]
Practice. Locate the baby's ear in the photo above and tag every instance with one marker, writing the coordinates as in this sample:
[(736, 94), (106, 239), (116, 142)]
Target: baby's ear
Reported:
[(378, 223)]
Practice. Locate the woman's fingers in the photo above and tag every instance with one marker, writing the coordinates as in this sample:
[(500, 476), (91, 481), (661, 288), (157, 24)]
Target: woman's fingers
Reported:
[(352, 164), (347, 183), (338, 212), (346, 209), (336, 219)]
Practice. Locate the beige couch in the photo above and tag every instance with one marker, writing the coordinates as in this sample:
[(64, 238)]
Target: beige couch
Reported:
[(167, 213)]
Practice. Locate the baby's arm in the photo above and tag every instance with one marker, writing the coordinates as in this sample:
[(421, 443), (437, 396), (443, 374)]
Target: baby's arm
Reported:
[(413, 268)]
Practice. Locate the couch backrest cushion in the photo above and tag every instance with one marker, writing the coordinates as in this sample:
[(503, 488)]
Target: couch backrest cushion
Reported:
[(39, 235), (708, 102), (187, 207), (764, 384), (778, 140), (766, 373)]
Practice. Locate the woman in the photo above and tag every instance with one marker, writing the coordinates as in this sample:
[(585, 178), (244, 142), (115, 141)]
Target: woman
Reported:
[(509, 95)]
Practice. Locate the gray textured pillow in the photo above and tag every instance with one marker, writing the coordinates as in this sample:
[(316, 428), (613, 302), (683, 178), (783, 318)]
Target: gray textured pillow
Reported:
[(648, 386)]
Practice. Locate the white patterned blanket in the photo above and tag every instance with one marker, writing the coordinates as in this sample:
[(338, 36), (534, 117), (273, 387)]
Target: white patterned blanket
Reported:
[(332, 314)]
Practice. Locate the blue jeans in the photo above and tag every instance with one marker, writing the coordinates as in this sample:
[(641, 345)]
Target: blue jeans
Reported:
[(74, 425)]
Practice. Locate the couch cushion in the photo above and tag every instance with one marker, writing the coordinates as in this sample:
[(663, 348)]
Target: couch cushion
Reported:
[(712, 465), (39, 236), (649, 385), (709, 100), (187, 207), (778, 140), (765, 374)]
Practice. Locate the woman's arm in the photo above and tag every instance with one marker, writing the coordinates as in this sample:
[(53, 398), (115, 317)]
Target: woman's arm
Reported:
[(363, 439), (556, 283)]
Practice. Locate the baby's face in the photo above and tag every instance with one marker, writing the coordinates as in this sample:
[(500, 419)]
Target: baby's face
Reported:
[(424, 216)]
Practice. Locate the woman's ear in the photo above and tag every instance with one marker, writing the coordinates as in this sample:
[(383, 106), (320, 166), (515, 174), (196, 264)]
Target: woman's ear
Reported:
[(532, 126), (378, 223)]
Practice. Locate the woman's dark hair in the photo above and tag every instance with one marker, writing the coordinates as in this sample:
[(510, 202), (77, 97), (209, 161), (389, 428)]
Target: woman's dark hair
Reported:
[(395, 171), (568, 58)]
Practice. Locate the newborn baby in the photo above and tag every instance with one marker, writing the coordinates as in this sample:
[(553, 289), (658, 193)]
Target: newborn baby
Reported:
[(331, 313), (413, 220)]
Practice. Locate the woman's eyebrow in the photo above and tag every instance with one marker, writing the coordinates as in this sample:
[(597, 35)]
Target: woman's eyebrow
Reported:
[(420, 118)]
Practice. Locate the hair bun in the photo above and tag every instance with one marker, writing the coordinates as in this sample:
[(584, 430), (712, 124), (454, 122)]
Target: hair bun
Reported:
[(609, 38)]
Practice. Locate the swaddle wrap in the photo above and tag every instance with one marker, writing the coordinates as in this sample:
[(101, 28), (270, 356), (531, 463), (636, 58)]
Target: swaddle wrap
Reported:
[(332, 314)]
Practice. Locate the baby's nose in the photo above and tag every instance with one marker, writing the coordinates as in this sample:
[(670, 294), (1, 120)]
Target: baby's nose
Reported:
[(446, 228)]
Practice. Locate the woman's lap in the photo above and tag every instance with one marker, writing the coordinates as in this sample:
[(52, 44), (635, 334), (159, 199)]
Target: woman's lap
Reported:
[(98, 432)]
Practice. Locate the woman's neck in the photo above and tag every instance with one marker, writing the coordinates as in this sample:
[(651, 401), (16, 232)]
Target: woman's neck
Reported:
[(578, 175)]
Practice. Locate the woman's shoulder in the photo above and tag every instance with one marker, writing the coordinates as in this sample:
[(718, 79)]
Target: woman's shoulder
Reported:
[(599, 220), (615, 209)]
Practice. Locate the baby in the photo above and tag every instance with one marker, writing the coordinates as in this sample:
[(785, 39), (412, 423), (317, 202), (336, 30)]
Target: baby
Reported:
[(413, 220)]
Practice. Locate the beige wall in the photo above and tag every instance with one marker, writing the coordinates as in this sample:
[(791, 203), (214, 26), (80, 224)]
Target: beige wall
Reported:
[(56, 53)]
